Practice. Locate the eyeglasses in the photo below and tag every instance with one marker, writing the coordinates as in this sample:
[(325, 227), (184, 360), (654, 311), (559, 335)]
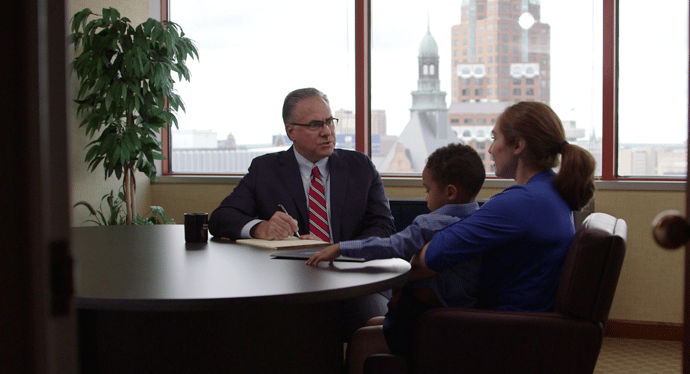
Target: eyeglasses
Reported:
[(317, 125)]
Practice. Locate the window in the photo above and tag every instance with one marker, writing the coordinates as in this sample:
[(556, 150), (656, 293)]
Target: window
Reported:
[(248, 63), (652, 128), (572, 39)]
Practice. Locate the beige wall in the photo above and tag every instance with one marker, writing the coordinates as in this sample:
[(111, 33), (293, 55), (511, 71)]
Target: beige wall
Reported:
[(651, 283), (87, 186)]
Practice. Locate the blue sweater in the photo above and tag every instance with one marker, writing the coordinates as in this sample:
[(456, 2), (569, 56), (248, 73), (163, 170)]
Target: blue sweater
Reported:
[(523, 234)]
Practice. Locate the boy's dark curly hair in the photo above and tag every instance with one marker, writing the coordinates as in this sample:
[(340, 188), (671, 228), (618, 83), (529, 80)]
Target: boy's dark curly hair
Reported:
[(459, 165)]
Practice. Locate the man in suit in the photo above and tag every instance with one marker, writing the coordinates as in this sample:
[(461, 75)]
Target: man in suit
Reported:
[(355, 202)]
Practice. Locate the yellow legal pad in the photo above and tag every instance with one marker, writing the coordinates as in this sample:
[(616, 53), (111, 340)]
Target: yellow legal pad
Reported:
[(288, 243)]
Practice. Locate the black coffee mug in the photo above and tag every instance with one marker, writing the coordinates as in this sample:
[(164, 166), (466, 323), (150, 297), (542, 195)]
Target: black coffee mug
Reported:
[(196, 227)]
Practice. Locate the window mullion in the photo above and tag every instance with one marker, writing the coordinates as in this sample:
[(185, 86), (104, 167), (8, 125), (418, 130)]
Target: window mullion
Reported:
[(609, 135), (362, 76)]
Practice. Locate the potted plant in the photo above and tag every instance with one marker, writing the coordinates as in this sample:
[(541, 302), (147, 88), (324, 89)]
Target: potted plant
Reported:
[(112, 215), (126, 93)]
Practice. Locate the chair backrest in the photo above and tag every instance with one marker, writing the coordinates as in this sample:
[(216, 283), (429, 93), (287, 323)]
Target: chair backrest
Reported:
[(591, 269)]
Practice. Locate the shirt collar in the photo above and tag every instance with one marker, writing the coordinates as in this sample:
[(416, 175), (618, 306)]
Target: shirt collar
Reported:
[(305, 166), (457, 210)]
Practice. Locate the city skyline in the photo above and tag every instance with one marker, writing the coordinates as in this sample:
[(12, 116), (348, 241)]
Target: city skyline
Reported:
[(394, 47), (394, 65)]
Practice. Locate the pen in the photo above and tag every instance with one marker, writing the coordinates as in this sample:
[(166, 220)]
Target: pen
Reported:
[(285, 211)]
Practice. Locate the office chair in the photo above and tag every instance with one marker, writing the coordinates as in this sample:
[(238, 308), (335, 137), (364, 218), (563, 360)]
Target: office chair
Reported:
[(567, 340)]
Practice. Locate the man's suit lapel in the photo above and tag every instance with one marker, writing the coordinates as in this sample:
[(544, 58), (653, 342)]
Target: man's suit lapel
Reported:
[(289, 171), (339, 170)]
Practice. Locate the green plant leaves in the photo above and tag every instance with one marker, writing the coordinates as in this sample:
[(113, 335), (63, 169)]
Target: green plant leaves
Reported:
[(111, 214), (124, 75)]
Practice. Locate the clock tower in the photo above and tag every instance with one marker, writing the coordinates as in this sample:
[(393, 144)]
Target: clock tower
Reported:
[(428, 95)]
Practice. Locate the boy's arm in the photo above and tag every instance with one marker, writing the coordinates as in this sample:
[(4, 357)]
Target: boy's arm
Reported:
[(403, 244), (419, 269)]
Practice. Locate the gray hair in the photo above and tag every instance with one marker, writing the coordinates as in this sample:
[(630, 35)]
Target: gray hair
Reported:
[(293, 97)]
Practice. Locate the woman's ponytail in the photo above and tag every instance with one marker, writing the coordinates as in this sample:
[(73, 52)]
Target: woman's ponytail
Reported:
[(575, 179)]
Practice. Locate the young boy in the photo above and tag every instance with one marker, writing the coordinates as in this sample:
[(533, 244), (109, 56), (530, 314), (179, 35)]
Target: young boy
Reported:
[(453, 176)]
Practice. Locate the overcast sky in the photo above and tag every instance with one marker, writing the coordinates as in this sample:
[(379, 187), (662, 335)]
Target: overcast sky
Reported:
[(253, 53)]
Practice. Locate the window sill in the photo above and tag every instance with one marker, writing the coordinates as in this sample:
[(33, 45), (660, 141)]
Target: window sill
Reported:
[(622, 185)]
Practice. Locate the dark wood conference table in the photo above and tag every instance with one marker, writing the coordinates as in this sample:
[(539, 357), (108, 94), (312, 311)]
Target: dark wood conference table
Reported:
[(149, 302)]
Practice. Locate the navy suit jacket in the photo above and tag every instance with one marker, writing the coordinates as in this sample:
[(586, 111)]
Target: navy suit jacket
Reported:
[(359, 206)]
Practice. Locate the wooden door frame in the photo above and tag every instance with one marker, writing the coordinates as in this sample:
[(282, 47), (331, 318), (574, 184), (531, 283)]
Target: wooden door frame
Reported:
[(38, 333)]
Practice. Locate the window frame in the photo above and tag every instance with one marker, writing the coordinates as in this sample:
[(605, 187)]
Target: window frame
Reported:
[(362, 25)]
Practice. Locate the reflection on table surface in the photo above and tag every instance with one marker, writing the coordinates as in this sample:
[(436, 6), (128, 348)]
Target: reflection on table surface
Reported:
[(153, 267)]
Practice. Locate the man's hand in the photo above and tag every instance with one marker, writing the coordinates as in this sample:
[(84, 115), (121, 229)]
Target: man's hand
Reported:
[(329, 254), (310, 237), (280, 226)]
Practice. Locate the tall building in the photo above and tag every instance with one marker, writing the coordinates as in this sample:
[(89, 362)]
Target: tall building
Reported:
[(499, 55), (500, 52)]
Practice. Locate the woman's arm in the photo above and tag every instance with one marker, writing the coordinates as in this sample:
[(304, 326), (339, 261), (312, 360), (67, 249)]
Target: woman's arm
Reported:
[(419, 269)]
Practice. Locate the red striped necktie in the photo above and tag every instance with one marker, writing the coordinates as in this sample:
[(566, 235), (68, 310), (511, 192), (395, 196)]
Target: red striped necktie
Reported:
[(318, 219)]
